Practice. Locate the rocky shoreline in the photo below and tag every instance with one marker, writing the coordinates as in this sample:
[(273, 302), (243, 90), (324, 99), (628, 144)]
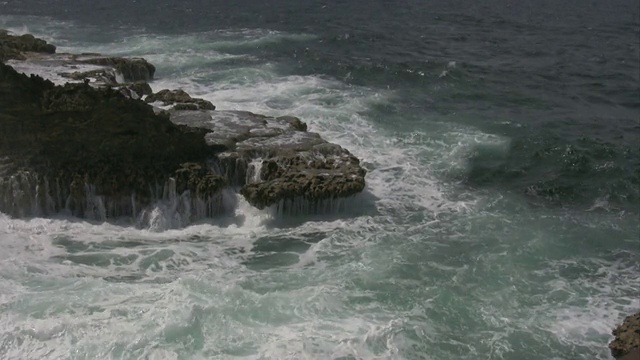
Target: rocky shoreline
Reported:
[(84, 134), (626, 345)]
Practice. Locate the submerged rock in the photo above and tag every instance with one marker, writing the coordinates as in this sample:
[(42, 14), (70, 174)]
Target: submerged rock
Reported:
[(626, 345)]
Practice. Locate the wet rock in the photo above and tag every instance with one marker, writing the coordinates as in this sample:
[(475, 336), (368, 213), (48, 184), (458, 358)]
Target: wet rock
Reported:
[(135, 90), (90, 151), (295, 122), (288, 178), (63, 68), (170, 96), (104, 75), (140, 87), (14, 46), (186, 106), (275, 159), (131, 69), (199, 179), (626, 345), (70, 97), (180, 99), (91, 147)]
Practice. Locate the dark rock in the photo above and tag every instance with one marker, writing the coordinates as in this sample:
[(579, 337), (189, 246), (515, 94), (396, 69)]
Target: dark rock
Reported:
[(104, 75), (626, 344), (13, 47), (186, 106), (199, 179), (93, 148), (96, 70), (295, 122), (275, 159), (203, 104), (295, 177), (169, 97), (140, 87), (181, 99), (132, 69), (134, 90), (61, 144), (70, 97)]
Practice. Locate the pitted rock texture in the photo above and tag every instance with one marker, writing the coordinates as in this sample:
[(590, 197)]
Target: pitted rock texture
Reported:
[(14, 46), (131, 69), (627, 338), (180, 100), (64, 138), (275, 158), (90, 145)]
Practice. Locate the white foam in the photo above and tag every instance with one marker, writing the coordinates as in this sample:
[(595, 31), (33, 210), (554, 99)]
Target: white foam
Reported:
[(50, 70), (328, 106), (333, 110), (108, 290)]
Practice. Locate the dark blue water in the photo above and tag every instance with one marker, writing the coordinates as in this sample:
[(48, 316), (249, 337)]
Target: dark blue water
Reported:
[(502, 141)]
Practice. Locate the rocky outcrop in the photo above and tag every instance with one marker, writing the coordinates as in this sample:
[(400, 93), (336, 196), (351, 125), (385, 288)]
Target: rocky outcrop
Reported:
[(91, 147), (180, 100), (14, 47), (131, 69), (626, 345), (131, 75), (274, 159), (60, 146)]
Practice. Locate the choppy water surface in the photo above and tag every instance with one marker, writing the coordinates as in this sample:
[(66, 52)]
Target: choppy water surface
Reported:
[(500, 219)]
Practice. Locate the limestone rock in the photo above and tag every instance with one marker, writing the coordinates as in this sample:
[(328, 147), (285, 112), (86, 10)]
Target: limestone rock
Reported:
[(627, 338)]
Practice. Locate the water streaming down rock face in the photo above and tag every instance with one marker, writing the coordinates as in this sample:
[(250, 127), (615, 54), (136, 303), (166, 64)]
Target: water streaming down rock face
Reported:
[(275, 160), (501, 280), (145, 155), (254, 171), (27, 194)]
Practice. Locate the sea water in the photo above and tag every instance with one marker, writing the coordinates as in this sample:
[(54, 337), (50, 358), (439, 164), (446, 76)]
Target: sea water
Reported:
[(500, 218)]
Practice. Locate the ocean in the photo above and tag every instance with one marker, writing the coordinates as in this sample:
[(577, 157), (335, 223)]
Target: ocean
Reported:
[(502, 212)]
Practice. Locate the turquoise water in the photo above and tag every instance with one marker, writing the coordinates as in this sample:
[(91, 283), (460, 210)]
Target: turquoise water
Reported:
[(487, 231)]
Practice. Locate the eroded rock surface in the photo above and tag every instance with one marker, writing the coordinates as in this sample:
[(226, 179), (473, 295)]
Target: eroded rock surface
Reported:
[(131, 69), (35, 56), (61, 144), (275, 158), (180, 100), (91, 147), (14, 46), (626, 344)]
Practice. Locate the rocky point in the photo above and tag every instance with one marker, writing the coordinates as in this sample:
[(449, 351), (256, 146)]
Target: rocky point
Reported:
[(85, 134)]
